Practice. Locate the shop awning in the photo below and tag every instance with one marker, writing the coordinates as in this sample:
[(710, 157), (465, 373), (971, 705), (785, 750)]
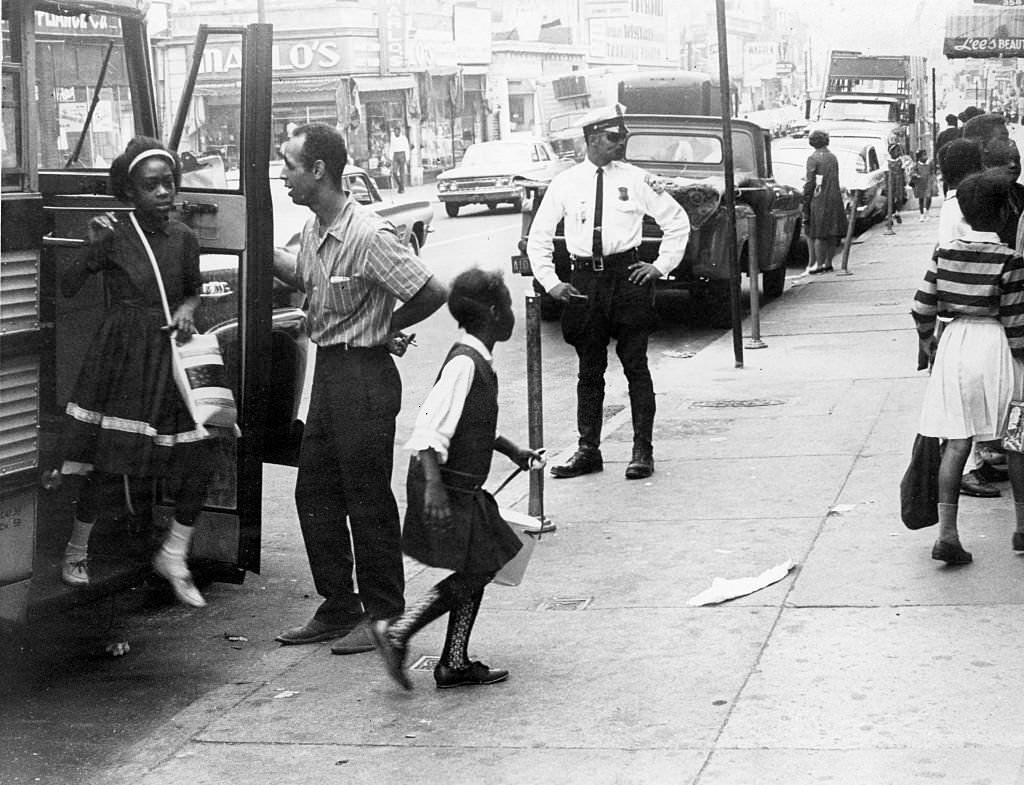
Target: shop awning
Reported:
[(521, 87), (384, 84), (314, 84)]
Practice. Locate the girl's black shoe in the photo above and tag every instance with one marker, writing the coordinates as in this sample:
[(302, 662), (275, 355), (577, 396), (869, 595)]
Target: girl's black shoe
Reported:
[(476, 673)]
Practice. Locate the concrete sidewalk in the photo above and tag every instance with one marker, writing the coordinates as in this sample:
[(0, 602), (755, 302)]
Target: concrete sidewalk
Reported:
[(870, 664)]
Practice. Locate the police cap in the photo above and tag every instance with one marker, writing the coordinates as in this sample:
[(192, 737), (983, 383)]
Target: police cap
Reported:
[(603, 119)]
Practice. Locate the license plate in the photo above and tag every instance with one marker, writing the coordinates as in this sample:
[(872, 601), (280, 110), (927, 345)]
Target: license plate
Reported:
[(521, 265)]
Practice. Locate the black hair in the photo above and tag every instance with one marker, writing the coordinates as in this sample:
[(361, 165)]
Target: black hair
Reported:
[(999, 152), (922, 155), (323, 143), (120, 176), (818, 139), (958, 159), (982, 197), (473, 293), (952, 119), (969, 112), (982, 126)]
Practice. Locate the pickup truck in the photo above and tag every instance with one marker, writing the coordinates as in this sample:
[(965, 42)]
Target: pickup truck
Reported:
[(684, 155)]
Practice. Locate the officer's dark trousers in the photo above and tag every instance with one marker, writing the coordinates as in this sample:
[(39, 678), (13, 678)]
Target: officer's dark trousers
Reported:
[(617, 309), (344, 483)]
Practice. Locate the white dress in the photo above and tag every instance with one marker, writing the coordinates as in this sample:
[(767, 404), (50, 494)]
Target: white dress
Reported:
[(972, 381)]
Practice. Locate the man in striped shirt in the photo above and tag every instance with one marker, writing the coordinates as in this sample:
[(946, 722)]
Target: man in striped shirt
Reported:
[(353, 269)]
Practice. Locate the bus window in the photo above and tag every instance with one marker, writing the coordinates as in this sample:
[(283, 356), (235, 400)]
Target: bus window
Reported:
[(84, 105)]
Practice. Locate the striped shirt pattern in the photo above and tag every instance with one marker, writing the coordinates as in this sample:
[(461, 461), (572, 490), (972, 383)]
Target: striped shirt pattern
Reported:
[(352, 274), (977, 276)]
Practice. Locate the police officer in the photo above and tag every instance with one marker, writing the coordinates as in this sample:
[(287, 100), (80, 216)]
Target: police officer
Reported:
[(611, 294)]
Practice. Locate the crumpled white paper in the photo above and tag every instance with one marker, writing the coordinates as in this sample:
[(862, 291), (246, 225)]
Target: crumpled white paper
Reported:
[(723, 589)]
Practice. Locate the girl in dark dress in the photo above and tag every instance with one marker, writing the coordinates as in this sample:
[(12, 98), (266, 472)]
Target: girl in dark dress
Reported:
[(126, 418), (451, 522), (824, 215), (923, 183)]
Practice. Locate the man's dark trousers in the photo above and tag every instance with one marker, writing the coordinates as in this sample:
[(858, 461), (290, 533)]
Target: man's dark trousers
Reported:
[(344, 481), (619, 309)]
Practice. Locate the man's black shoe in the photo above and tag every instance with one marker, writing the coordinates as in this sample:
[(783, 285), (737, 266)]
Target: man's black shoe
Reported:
[(972, 485), (315, 631), (990, 473), (581, 462), (476, 673), (640, 466)]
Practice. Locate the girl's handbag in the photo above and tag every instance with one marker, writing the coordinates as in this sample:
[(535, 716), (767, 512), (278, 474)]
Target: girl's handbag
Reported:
[(197, 367), (919, 488), (1013, 437)]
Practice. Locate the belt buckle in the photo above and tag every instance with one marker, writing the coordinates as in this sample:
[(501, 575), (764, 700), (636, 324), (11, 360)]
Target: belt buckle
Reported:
[(597, 264)]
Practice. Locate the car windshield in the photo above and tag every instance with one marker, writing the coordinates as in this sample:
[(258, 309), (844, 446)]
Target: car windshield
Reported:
[(688, 149), (491, 153), (853, 110)]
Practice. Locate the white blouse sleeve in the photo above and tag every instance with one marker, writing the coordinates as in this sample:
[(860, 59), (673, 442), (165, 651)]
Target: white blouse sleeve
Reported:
[(440, 413)]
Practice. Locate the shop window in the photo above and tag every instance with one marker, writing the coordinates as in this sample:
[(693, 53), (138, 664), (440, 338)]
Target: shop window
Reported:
[(11, 129), (520, 112), (381, 117)]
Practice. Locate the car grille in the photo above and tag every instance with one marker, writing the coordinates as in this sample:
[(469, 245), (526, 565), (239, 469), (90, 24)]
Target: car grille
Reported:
[(476, 182)]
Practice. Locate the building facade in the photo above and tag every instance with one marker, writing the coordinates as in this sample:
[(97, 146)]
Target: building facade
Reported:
[(364, 66)]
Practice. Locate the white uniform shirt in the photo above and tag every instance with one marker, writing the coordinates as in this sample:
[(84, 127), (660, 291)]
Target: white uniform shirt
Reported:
[(627, 197), (443, 406)]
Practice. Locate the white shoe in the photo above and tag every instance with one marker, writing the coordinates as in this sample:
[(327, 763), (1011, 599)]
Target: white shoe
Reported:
[(74, 570), (176, 572)]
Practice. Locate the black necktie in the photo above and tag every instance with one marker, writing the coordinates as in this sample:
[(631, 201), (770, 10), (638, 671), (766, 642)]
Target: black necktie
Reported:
[(597, 251)]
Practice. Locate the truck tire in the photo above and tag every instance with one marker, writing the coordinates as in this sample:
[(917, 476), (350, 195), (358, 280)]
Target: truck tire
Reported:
[(773, 282), (451, 209)]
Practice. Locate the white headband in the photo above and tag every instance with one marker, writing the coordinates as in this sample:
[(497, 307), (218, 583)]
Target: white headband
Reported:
[(156, 151)]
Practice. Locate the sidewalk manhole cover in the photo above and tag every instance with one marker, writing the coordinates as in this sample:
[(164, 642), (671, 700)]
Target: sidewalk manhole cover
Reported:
[(565, 604), (736, 404), (426, 663)]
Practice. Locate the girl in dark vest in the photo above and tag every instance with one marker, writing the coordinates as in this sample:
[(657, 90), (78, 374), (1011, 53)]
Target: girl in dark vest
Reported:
[(451, 522)]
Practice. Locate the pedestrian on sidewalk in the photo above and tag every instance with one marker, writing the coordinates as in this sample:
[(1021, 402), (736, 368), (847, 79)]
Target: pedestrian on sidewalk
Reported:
[(126, 418), (451, 521), (923, 182), (353, 268), (824, 216), (398, 147), (977, 284), (1003, 155), (611, 295), (959, 159)]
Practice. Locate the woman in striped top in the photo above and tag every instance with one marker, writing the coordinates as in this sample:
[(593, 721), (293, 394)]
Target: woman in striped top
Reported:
[(977, 282)]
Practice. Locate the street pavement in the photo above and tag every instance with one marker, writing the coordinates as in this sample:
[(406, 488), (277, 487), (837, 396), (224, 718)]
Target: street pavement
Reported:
[(868, 664)]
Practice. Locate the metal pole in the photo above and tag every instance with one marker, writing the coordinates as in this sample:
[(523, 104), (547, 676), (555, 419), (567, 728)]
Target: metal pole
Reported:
[(850, 220), (932, 135), (535, 404), (754, 266), (735, 273), (888, 201)]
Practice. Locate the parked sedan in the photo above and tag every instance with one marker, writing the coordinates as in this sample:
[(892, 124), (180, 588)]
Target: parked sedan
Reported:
[(493, 173), (858, 172)]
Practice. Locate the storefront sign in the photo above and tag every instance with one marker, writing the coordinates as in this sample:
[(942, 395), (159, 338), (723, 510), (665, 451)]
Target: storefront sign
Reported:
[(985, 46), (393, 32), (82, 24), (306, 57)]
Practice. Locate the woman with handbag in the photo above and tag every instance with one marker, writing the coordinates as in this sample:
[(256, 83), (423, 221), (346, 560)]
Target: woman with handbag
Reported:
[(451, 522), (824, 216), (126, 418), (975, 284)]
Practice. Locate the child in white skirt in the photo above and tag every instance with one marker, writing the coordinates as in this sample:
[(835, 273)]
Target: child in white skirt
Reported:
[(977, 282)]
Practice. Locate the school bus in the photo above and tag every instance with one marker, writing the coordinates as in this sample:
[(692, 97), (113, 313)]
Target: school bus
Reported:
[(78, 83)]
